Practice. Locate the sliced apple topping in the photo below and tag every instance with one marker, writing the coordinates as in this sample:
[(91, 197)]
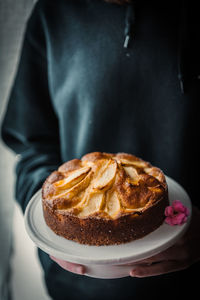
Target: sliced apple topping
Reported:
[(112, 204), (107, 185), (137, 163), (106, 177), (132, 173), (74, 190), (73, 178), (155, 172), (93, 204)]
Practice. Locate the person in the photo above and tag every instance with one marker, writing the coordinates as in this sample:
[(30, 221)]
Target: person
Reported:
[(110, 76)]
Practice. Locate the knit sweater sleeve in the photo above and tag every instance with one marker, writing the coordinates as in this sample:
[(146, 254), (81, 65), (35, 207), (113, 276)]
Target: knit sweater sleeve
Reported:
[(30, 125)]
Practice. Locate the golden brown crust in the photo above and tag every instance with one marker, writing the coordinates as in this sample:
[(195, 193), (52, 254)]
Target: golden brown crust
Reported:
[(70, 165), (88, 198), (93, 156)]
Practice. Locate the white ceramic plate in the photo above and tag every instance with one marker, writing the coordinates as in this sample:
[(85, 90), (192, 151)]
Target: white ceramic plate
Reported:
[(105, 261)]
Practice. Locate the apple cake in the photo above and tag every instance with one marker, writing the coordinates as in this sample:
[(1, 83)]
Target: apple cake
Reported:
[(104, 198)]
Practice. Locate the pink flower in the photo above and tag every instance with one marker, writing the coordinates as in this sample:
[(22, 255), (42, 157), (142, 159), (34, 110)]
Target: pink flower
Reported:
[(176, 214)]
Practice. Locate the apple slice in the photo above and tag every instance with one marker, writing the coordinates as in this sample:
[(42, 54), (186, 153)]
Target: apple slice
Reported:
[(112, 204), (107, 176), (74, 190), (73, 178), (132, 173), (155, 172), (92, 205), (137, 163)]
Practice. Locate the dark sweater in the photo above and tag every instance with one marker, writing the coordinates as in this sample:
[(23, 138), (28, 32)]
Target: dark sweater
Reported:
[(78, 90)]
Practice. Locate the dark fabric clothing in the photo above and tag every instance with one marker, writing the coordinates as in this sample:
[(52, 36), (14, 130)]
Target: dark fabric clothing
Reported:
[(63, 285), (78, 90)]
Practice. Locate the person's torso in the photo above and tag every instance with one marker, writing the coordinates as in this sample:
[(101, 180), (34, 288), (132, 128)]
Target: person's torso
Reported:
[(108, 98)]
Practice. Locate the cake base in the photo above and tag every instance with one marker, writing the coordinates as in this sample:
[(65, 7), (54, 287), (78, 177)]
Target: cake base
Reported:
[(97, 231)]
